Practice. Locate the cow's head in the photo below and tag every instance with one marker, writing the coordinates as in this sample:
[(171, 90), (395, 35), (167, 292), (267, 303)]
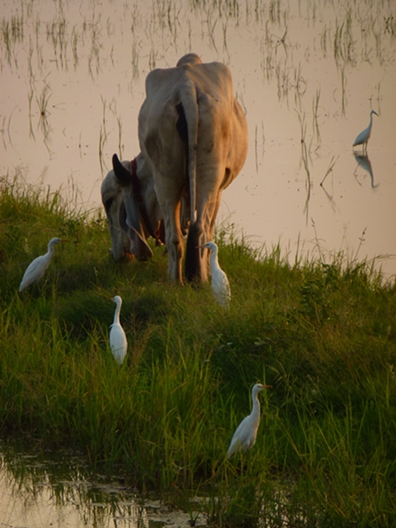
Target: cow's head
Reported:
[(127, 230), (113, 203)]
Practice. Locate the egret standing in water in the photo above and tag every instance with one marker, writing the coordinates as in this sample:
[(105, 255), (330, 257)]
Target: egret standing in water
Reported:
[(364, 136), (117, 337), (220, 286), (37, 267), (246, 432)]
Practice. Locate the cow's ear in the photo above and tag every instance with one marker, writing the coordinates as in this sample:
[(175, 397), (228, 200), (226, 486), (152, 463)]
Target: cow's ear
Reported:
[(121, 173)]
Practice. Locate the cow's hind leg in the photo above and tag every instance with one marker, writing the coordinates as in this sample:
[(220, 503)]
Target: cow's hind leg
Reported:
[(174, 242), (193, 265), (200, 232), (196, 259)]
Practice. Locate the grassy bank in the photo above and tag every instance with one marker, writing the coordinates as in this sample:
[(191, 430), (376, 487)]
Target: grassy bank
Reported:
[(324, 336)]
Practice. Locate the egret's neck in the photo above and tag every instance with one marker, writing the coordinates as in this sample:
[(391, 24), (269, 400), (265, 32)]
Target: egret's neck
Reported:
[(213, 258), (256, 407), (117, 313)]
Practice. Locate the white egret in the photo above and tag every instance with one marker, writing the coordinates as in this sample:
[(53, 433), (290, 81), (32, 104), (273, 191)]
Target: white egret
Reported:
[(364, 136), (37, 267), (220, 286), (246, 432), (117, 337)]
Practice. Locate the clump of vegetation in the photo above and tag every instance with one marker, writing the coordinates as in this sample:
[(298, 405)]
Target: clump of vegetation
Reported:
[(323, 335)]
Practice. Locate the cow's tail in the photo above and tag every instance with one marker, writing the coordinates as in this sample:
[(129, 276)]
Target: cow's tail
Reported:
[(189, 100), (190, 106)]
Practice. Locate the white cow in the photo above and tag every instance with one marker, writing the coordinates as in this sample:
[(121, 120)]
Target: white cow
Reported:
[(193, 139), (124, 198)]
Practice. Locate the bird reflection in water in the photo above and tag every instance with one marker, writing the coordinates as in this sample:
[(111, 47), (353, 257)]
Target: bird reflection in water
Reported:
[(364, 162)]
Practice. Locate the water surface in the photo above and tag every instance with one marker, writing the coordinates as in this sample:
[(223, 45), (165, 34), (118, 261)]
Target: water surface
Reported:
[(39, 489)]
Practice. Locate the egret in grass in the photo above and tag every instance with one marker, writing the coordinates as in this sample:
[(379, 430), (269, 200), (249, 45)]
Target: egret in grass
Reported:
[(37, 267), (117, 337), (364, 136), (220, 286), (246, 432)]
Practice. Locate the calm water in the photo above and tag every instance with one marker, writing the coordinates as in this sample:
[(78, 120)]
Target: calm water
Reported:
[(72, 82), (39, 489)]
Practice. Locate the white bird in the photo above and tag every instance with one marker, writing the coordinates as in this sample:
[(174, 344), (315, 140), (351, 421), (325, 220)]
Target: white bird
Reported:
[(364, 136), (117, 337), (220, 286), (246, 432), (37, 267)]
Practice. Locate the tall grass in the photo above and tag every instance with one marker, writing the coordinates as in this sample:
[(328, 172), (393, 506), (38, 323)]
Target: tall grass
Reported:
[(323, 335)]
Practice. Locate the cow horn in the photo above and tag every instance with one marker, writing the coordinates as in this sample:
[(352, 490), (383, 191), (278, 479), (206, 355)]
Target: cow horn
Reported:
[(122, 174)]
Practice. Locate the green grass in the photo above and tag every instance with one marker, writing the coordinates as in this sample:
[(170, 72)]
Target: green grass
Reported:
[(323, 335)]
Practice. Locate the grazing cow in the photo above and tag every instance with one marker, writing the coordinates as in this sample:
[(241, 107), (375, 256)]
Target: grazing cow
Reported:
[(193, 138), (122, 196)]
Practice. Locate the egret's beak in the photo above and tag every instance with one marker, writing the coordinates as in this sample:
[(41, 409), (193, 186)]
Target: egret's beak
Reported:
[(267, 386)]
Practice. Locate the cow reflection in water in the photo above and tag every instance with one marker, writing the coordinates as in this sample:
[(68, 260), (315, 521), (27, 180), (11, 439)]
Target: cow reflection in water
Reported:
[(193, 138)]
